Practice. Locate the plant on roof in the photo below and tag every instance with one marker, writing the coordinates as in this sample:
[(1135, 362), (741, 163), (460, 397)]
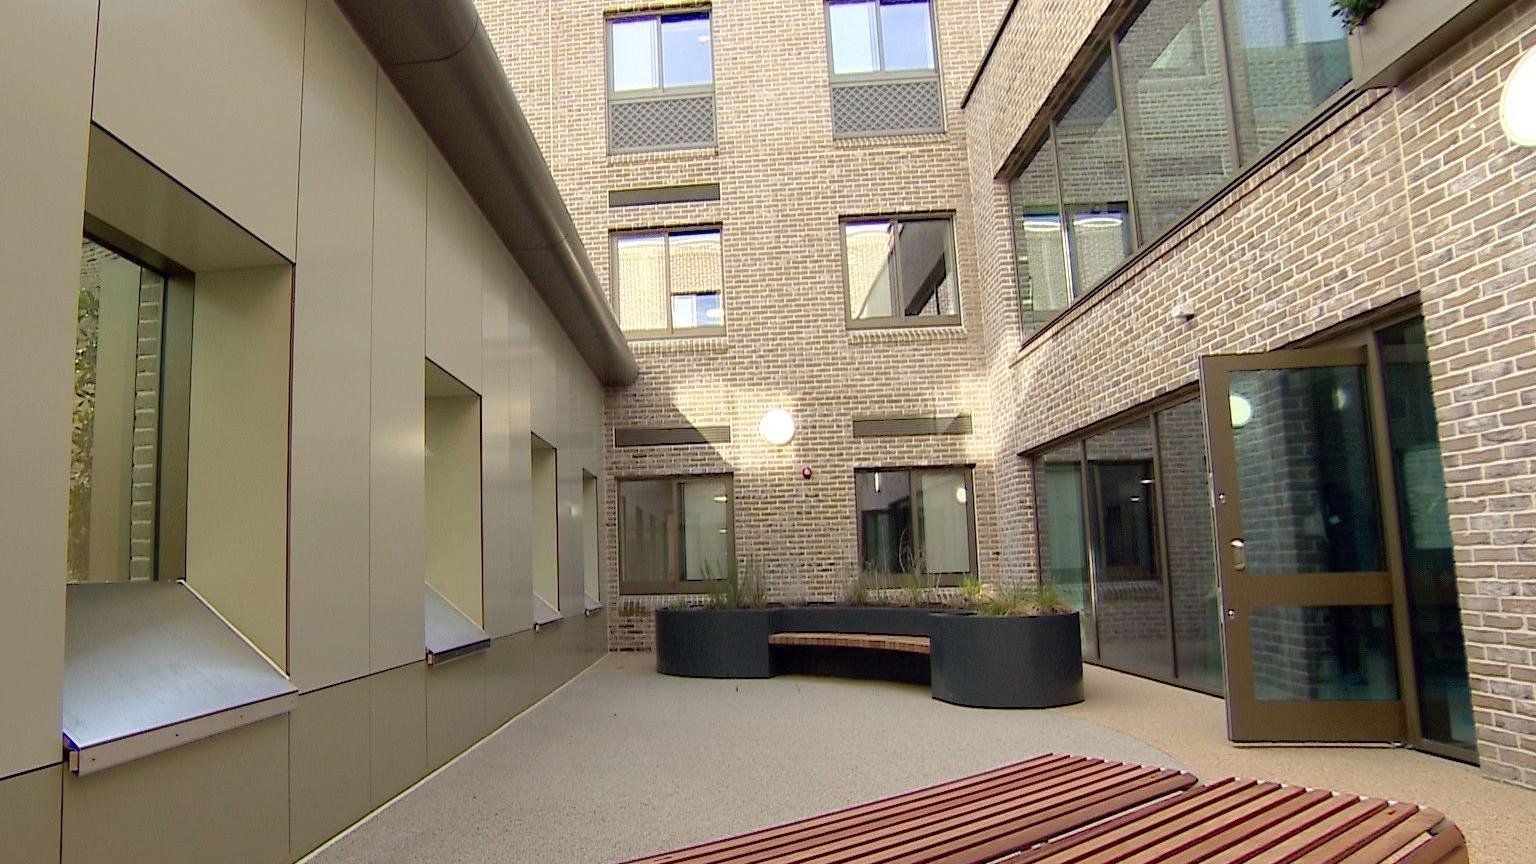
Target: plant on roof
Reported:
[(736, 585), (1356, 12)]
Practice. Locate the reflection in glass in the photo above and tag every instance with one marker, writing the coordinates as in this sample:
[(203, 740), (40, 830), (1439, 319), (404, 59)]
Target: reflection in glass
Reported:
[(634, 59), (1323, 653), (1060, 531), (1093, 179), (907, 35), (686, 57), (1288, 57), (900, 269), (1037, 239), (944, 521), (669, 279), (672, 529), (640, 267), (886, 544), (1439, 652), (855, 45), (1130, 602), (1186, 507), (696, 281), (114, 440), (1176, 109), (1304, 465)]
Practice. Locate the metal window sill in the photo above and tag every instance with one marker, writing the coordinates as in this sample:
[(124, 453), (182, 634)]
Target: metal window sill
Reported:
[(149, 666), (450, 634), (544, 612)]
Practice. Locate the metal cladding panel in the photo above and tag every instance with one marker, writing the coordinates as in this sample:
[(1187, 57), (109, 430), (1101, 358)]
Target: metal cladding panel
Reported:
[(140, 656), (641, 125), (887, 108), (449, 631)]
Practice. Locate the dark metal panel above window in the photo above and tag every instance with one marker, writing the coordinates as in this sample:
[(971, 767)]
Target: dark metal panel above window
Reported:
[(894, 427), (664, 195), (671, 436)]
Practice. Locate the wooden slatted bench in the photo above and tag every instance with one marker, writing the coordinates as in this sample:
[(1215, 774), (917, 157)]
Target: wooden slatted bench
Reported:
[(874, 641), (1074, 810)]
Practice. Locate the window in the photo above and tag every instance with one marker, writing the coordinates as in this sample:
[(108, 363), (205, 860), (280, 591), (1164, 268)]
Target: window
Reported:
[(916, 520), (115, 439), (1187, 93), (885, 67), (900, 272), (674, 533), (669, 282), (661, 82)]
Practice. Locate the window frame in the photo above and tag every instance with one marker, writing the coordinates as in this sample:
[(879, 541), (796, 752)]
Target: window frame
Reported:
[(674, 584), (616, 284), (1042, 133), (881, 75), (944, 580), (661, 90), (951, 260)]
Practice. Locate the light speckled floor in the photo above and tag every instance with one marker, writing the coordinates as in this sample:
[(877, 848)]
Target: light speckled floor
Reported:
[(623, 761)]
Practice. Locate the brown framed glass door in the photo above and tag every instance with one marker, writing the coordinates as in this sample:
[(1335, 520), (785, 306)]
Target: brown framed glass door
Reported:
[(1302, 547)]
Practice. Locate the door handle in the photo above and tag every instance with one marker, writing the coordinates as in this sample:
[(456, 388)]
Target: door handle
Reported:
[(1239, 555)]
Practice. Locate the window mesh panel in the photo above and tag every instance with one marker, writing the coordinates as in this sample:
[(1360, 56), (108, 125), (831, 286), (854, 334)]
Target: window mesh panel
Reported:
[(876, 109), (661, 124)]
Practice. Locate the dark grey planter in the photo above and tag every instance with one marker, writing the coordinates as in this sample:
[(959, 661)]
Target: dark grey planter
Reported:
[(885, 620), (714, 643), (1007, 661)]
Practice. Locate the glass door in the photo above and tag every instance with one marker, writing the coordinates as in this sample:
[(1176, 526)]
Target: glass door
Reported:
[(1305, 561)]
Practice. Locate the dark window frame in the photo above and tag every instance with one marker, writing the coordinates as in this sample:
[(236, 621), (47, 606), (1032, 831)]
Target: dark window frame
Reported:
[(616, 287), (944, 580), (881, 74), (886, 322), (675, 584)]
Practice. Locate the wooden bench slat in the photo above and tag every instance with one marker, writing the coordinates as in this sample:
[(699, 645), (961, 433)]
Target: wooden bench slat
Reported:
[(873, 641), (1399, 840)]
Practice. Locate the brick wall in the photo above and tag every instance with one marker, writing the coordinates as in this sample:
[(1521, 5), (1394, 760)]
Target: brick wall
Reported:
[(784, 184), (1407, 192)]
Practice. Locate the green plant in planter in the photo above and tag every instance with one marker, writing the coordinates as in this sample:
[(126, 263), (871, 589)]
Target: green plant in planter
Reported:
[(970, 592), (736, 585), (1356, 12), (915, 583), (1022, 600), (855, 589), (678, 604)]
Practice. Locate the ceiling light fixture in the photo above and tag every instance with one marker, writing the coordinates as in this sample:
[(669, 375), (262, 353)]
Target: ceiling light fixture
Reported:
[(1242, 410), (1098, 220)]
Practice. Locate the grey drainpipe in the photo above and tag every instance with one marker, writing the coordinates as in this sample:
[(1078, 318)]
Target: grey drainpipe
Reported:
[(441, 60)]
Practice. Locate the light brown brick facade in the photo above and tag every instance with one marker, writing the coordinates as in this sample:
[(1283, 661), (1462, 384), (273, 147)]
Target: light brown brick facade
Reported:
[(1399, 194), (1412, 191)]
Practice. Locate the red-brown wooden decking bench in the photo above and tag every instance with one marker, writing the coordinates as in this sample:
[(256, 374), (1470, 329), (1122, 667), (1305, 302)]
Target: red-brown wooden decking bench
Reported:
[(872, 641), (1074, 810)]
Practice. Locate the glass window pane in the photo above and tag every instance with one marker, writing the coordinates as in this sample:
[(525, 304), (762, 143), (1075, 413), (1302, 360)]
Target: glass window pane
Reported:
[(1445, 702), (633, 54), (1175, 109), (1059, 526), (1093, 179), (640, 266), (854, 46), (1323, 653), (884, 501), (686, 56), (646, 520), (1304, 466), (1130, 599), (907, 31), (927, 283), (944, 521), (1287, 58), (703, 535), (1186, 505), (114, 439), (696, 279), (870, 254), (1037, 240)]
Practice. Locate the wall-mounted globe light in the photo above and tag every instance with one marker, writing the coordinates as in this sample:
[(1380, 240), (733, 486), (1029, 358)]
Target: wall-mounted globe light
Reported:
[(1517, 108), (1242, 410), (777, 427)]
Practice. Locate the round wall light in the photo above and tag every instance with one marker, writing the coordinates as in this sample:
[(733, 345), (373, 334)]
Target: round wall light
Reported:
[(1517, 107), (777, 427), (1242, 410)]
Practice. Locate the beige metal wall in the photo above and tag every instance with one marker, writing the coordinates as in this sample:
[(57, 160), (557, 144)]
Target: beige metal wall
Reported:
[(391, 262)]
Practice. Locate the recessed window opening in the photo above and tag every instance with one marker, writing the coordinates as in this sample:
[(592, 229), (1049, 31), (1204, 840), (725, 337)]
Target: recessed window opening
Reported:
[(901, 271), (675, 533), (669, 282)]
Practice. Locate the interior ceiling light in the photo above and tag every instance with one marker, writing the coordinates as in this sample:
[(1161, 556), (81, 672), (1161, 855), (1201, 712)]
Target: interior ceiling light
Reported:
[(719, 499), (1098, 220), (778, 427), (1517, 107), (1042, 226), (1242, 410), (960, 495)]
